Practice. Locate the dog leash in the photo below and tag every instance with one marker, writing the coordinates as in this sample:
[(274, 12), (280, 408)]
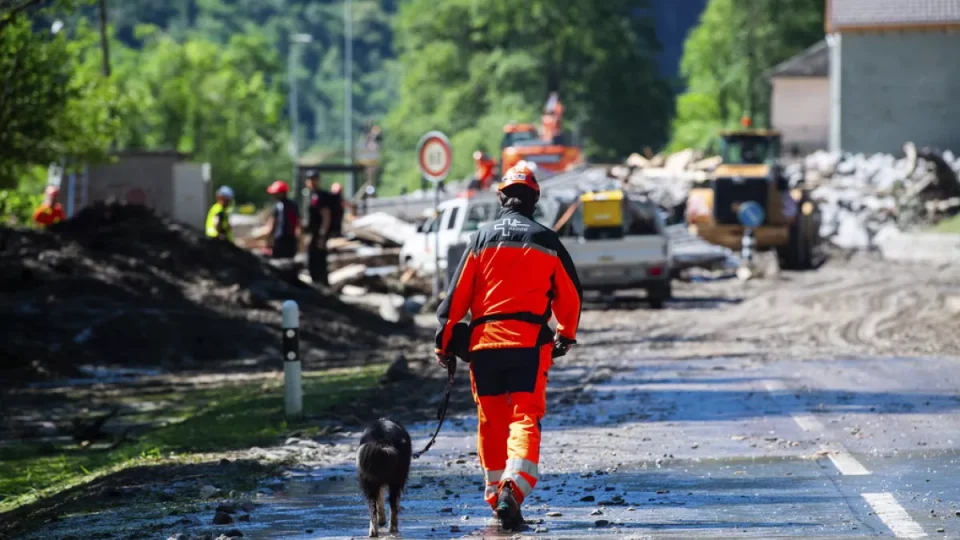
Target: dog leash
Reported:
[(442, 410)]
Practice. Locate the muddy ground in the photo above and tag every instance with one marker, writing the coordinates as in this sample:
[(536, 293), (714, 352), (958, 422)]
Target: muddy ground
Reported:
[(818, 404)]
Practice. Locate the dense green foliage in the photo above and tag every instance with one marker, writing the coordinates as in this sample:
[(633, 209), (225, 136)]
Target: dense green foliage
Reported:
[(224, 104), (320, 64), (16, 207), (725, 59), (51, 109), (470, 67)]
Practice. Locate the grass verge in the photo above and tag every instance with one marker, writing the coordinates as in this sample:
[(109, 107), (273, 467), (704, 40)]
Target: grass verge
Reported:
[(213, 420), (951, 225)]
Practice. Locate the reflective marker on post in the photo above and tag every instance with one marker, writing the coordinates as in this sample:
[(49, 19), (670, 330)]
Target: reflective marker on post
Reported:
[(293, 389)]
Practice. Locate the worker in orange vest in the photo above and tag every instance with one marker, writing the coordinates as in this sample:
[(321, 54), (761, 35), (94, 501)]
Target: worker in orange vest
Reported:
[(514, 277), (552, 115), (50, 211), (484, 165)]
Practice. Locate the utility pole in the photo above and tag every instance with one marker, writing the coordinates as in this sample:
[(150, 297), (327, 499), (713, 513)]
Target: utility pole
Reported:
[(348, 94), (104, 42), (295, 41)]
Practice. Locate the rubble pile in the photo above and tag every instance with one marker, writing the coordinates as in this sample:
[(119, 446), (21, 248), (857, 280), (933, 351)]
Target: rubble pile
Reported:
[(368, 257), (861, 198), (119, 285), (864, 198)]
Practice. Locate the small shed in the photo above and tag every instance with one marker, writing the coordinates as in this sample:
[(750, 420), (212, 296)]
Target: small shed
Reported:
[(800, 100)]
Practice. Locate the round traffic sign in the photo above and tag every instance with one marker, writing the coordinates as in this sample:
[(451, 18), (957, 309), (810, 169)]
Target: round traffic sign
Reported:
[(434, 156), (750, 214)]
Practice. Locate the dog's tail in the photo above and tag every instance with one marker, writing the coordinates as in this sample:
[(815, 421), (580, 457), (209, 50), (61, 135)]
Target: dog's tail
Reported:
[(377, 460)]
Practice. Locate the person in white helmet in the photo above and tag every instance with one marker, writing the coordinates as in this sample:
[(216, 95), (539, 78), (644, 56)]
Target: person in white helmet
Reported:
[(218, 218)]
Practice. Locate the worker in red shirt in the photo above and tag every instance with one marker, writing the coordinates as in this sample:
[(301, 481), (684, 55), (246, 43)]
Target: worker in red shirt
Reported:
[(484, 170), (50, 211)]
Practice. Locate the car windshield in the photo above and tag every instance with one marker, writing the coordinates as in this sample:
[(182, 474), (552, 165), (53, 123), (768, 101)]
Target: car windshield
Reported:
[(477, 215)]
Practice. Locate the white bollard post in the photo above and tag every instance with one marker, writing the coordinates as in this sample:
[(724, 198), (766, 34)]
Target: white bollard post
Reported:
[(292, 385)]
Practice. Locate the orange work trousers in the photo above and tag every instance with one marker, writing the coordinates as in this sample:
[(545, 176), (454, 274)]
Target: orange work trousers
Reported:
[(510, 389)]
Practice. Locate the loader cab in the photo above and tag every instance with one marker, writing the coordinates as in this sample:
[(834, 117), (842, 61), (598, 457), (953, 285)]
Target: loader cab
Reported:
[(750, 147)]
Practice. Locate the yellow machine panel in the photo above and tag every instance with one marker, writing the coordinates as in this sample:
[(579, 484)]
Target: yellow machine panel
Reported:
[(602, 209), (745, 171)]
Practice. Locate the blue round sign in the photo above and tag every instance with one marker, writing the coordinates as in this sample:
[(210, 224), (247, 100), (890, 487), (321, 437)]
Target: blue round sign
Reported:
[(751, 214)]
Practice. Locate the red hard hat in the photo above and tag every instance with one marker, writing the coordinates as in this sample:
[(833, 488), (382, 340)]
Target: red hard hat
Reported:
[(51, 190), (278, 187), (519, 174)]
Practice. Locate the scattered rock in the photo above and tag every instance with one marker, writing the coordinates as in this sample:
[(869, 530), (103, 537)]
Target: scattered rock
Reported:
[(224, 462), (222, 518), (588, 498), (446, 510), (554, 514), (601, 522), (208, 491), (541, 529), (244, 517), (247, 506), (597, 512), (227, 508), (399, 370), (454, 529), (177, 536), (940, 529), (234, 533)]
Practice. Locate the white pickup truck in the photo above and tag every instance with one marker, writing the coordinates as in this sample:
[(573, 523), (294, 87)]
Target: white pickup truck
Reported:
[(637, 258)]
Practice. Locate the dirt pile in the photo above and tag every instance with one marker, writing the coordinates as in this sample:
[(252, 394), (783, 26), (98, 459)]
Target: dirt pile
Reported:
[(118, 285)]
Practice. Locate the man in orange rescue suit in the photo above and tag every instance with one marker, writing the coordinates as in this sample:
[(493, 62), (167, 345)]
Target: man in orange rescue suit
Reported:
[(513, 277), (50, 210)]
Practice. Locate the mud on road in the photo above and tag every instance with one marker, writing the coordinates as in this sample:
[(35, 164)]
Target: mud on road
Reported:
[(817, 405)]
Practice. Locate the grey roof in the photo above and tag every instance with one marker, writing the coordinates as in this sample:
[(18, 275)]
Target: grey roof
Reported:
[(891, 13), (812, 62)]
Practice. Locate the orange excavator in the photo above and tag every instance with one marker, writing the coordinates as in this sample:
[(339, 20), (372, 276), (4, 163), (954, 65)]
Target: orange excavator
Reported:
[(549, 146)]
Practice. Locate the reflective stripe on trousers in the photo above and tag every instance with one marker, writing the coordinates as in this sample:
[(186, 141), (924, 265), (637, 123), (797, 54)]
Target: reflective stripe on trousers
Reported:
[(524, 474), (509, 387), (492, 480)]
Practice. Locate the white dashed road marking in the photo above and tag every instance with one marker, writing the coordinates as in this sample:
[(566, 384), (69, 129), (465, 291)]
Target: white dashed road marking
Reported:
[(894, 516)]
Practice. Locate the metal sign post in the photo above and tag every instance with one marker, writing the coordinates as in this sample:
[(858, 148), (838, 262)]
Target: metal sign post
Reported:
[(751, 215), (434, 158)]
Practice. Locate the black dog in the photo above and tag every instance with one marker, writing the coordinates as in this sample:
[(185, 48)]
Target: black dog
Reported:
[(383, 461)]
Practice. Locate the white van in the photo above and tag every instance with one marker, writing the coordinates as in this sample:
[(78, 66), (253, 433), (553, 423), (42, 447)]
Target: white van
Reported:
[(640, 258), (458, 219)]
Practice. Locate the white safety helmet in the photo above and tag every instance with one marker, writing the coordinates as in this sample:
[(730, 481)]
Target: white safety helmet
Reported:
[(225, 191)]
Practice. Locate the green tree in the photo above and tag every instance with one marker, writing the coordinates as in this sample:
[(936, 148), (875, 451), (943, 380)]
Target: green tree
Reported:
[(51, 109), (470, 67), (726, 56), (223, 104), (320, 75)]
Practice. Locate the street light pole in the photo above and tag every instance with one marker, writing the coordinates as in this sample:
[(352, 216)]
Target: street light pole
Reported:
[(348, 94), (295, 40)]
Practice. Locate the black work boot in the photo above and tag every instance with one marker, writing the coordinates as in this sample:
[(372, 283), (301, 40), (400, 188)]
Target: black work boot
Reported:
[(508, 509)]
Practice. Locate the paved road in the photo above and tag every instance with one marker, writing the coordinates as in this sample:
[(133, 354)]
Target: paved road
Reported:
[(820, 405)]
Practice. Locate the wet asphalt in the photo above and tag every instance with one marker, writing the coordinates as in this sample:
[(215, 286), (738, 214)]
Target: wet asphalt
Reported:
[(728, 447)]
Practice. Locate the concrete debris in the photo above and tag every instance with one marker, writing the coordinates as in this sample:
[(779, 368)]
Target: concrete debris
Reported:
[(383, 227)]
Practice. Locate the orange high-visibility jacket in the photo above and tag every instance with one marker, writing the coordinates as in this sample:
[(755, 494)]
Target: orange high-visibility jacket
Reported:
[(46, 215), (515, 274), (484, 172)]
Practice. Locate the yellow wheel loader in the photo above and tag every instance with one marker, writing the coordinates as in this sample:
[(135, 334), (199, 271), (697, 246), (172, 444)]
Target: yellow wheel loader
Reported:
[(751, 171)]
